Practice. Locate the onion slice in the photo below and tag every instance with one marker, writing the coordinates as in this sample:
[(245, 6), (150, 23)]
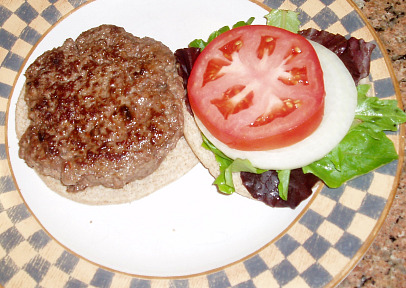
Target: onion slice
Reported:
[(339, 112)]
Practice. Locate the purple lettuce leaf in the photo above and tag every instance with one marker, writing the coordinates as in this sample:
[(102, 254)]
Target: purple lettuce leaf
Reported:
[(185, 58), (354, 53)]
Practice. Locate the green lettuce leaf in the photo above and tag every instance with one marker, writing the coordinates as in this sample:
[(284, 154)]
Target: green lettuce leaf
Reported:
[(285, 19), (283, 186), (366, 146), (200, 43), (361, 151), (377, 114), (227, 167)]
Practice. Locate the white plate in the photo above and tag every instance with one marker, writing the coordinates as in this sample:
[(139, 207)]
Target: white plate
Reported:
[(185, 228)]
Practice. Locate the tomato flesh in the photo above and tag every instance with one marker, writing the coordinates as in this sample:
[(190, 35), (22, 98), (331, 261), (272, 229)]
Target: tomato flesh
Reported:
[(258, 88)]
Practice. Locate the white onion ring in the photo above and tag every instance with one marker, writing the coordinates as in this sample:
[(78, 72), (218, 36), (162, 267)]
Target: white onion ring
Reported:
[(339, 112)]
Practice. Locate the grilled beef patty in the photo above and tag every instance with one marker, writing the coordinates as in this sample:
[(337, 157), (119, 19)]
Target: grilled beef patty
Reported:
[(104, 109)]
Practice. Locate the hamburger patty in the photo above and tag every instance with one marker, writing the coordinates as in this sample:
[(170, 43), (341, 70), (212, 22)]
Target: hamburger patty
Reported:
[(104, 109)]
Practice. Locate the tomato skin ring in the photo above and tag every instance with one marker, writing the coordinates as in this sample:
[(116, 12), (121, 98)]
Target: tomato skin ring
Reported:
[(280, 131)]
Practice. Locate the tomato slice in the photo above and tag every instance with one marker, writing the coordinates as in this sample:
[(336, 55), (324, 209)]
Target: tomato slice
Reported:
[(258, 87)]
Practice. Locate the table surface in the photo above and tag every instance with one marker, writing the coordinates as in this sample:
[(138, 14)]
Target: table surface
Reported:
[(384, 263)]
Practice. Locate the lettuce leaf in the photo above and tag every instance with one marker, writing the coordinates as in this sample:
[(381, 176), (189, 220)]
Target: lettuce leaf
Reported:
[(354, 53), (378, 114), (366, 146), (285, 19), (200, 43), (283, 187), (361, 151), (228, 166)]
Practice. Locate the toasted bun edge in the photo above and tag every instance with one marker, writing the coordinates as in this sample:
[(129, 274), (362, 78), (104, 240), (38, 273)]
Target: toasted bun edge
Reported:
[(193, 136)]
